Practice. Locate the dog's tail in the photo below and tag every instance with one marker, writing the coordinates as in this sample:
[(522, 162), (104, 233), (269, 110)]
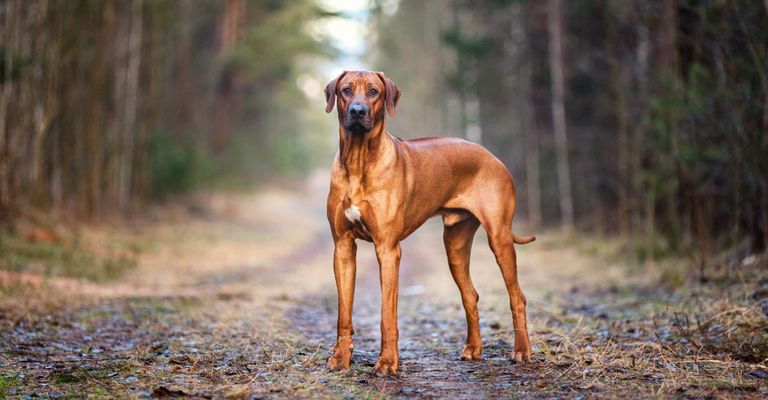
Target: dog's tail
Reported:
[(523, 239)]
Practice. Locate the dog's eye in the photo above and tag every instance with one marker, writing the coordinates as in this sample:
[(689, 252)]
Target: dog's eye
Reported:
[(373, 92), (346, 91)]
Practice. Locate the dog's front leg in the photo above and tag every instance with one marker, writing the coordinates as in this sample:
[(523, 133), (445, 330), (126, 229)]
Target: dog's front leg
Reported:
[(344, 268), (388, 255)]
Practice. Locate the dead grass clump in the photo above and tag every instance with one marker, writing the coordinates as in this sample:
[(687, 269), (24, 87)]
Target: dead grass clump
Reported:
[(736, 332), (695, 345)]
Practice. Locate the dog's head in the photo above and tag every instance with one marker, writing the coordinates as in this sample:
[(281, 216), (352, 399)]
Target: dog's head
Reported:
[(362, 97)]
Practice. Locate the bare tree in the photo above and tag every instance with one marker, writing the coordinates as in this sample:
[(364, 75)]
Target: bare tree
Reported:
[(230, 31), (460, 70), (10, 37), (131, 103), (555, 25), (527, 115), (619, 77)]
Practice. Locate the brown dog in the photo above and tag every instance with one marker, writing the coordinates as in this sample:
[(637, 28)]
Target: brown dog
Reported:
[(383, 188)]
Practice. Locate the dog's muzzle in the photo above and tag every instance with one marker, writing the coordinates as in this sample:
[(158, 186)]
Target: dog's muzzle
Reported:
[(357, 119)]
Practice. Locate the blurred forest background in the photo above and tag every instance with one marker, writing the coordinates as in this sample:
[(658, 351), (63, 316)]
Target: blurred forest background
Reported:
[(642, 118), (109, 104)]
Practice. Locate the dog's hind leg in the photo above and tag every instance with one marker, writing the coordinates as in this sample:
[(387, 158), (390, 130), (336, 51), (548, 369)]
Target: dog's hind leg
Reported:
[(502, 244), (458, 246)]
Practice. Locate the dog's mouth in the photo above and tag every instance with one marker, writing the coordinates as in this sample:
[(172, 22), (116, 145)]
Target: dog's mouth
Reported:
[(358, 125)]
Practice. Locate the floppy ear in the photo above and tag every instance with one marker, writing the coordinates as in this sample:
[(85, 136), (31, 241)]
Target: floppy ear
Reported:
[(393, 93), (330, 93)]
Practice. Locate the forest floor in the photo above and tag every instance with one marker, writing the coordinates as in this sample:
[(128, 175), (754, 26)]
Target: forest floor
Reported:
[(232, 296)]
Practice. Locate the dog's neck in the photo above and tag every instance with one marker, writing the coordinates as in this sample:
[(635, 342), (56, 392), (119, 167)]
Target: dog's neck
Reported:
[(359, 152)]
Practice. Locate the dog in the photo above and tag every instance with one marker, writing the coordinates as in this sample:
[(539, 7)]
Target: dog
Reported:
[(383, 188)]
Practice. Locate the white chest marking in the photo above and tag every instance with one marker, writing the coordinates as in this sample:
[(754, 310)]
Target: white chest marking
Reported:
[(352, 213)]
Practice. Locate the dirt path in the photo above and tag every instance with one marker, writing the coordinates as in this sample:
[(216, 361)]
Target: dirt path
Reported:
[(236, 299)]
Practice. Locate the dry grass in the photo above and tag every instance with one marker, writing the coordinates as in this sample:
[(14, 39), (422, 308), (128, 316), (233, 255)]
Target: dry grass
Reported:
[(235, 299), (700, 339), (661, 350)]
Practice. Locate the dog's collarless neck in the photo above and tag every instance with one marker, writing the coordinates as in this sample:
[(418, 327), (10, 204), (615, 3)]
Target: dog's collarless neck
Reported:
[(359, 152)]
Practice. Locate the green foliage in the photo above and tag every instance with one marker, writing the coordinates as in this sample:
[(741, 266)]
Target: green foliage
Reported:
[(9, 73), (470, 49), (695, 122), (8, 382), (172, 166), (65, 377), (271, 136), (270, 47), (289, 154), (471, 46)]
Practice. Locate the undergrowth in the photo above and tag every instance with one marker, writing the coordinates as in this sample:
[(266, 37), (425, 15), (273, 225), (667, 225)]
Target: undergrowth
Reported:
[(49, 258), (718, 308)]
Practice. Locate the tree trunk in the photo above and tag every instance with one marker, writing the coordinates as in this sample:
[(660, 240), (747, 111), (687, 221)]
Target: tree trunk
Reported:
[(555, 27), (618, 75), (669, 62), (650, 220), (121, 21), (131, 103), (642, 55), (229, 33), (529, 126), (184, 78), (441, 87), (7, 186), (765, 2), (155, 52), (460, 70), (44, 101), (532, 175)]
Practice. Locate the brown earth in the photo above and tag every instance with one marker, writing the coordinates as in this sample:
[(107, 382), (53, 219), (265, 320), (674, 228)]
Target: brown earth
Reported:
[(233, 297)]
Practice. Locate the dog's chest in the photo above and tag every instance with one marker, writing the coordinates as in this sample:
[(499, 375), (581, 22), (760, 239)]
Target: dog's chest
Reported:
[(353, 200), (353, 205), (353, 213)]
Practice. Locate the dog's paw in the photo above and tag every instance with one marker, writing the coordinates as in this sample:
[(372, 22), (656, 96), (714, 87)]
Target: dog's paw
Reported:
[(338, 362), (522, 357), (522, 350), (386, 366), (472, 352), (342, 355)]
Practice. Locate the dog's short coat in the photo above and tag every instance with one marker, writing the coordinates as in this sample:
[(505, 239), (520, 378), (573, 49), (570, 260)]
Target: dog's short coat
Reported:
[(383, 188)]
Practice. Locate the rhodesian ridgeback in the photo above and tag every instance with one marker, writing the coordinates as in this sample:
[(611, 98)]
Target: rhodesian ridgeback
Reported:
[(383, 188)]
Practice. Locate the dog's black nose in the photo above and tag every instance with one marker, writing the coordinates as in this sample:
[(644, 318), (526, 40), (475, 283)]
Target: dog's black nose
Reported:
[(357, 111)]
